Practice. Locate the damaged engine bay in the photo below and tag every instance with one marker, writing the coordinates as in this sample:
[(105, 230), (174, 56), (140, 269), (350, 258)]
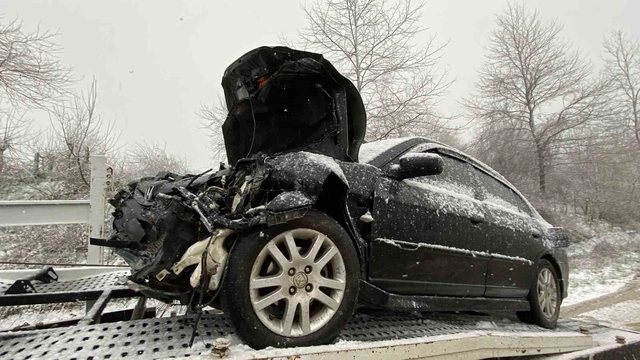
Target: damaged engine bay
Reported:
[(176, 231)]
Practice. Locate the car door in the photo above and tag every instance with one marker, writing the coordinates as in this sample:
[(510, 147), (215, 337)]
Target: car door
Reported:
[(515, 239), (425, 235)]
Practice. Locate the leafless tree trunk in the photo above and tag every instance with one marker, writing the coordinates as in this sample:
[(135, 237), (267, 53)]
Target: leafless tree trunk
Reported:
[(622, 56), (534, 85), (373, 43), (30, 72)]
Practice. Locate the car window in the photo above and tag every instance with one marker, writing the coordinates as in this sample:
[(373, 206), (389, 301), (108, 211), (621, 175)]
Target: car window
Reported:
[(457, 176), (498, 194)]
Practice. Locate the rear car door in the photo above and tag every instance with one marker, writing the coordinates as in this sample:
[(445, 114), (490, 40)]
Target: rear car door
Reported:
[(515, 239), (426, 238)]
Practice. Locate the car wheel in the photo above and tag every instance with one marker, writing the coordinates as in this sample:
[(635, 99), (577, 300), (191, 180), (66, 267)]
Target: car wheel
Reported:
[(545, 297), (294, 284)]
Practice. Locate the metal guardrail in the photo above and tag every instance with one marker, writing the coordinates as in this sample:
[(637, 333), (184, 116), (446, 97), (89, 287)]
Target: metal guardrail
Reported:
[(56, 212), (44, 212)]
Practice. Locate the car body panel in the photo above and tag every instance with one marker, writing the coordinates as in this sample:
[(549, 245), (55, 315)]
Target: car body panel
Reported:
[(513, 248), (431, 265)]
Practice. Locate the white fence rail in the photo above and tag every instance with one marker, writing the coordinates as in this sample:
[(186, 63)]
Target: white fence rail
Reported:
[(56, 212)]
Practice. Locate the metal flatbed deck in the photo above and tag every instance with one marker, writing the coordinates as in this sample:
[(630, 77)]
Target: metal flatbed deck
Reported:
[(364, 336), (371, 335), (74, 284)]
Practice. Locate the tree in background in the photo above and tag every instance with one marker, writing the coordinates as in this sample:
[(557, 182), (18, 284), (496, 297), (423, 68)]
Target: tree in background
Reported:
[(374, 44), (31, 75), (15, 134), (213, 117), (536, 93), (30, 71), (622, 57), (148, 159), (77, 132)]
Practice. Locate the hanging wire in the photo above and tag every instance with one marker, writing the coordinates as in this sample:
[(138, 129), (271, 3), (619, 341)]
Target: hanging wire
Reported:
[(253, 138)]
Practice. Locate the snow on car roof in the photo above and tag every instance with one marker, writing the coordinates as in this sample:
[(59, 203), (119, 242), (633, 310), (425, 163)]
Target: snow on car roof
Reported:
[(371, 150)]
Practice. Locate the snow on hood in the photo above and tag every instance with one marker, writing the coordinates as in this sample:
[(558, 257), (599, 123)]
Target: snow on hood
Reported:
[(308, 170)]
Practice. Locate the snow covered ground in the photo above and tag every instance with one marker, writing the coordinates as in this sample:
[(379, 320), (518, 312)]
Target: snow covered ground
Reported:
[(624, 315), (602, 265), (607, 263)]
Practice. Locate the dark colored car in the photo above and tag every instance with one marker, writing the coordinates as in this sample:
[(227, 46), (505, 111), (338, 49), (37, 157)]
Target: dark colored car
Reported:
[(307, 225)]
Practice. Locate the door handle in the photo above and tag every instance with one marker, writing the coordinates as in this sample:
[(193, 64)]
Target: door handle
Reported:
[(536, 233)]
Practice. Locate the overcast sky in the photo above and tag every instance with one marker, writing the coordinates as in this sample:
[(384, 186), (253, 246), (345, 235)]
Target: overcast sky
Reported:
[(157, 61)]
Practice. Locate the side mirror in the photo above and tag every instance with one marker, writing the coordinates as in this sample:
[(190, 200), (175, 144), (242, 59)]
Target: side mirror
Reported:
[(417, 164), (558, 237)]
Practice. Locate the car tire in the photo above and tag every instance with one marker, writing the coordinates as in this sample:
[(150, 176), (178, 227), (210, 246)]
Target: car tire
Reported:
[(321, 281), (545, 297)]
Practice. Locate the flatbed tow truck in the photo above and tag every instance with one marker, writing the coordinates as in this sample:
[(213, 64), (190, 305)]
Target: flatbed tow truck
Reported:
[(138, 334), (370, 335)]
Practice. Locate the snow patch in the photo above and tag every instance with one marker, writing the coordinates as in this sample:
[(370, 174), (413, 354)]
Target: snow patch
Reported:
[(602, 265)]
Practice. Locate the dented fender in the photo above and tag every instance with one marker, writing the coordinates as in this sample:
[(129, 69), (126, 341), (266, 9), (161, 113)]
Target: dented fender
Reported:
[(290, 200), (304, 171)]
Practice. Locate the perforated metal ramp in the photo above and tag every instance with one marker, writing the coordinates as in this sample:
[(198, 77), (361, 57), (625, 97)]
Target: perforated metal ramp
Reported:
[(169, 337), (68, 288)]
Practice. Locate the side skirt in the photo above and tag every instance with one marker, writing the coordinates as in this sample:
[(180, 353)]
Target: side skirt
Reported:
[(373, 295)]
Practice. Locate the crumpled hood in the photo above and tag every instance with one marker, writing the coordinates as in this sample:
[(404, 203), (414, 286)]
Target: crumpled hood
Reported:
[(283, 100)]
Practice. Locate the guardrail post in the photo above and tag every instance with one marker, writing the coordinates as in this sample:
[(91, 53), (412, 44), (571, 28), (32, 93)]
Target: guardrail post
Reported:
[(100, 178)]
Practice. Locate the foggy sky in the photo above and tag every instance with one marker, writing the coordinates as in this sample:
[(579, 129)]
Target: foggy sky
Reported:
[(157, 61)]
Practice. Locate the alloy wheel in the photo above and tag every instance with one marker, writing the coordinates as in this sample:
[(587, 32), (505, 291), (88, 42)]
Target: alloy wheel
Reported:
[(547, 293), (297, 282)]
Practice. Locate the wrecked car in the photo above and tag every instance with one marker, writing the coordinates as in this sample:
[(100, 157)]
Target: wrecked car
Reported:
[(308, 223)]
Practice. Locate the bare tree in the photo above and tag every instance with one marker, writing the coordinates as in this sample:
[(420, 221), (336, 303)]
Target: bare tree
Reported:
[(538, 89), (373, 43), (147, 159), (213, 117), (622, 56), (77, 133), (30, 71), (14, 133)]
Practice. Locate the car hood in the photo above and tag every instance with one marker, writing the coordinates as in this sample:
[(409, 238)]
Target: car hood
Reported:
[(282, 100)]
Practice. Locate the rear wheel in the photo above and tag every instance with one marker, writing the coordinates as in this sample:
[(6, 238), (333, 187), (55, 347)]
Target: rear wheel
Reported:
[(294, 284), (545, 297)]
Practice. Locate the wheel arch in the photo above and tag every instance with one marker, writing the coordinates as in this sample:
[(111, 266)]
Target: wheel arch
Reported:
[(332, 201), (322, 182)]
